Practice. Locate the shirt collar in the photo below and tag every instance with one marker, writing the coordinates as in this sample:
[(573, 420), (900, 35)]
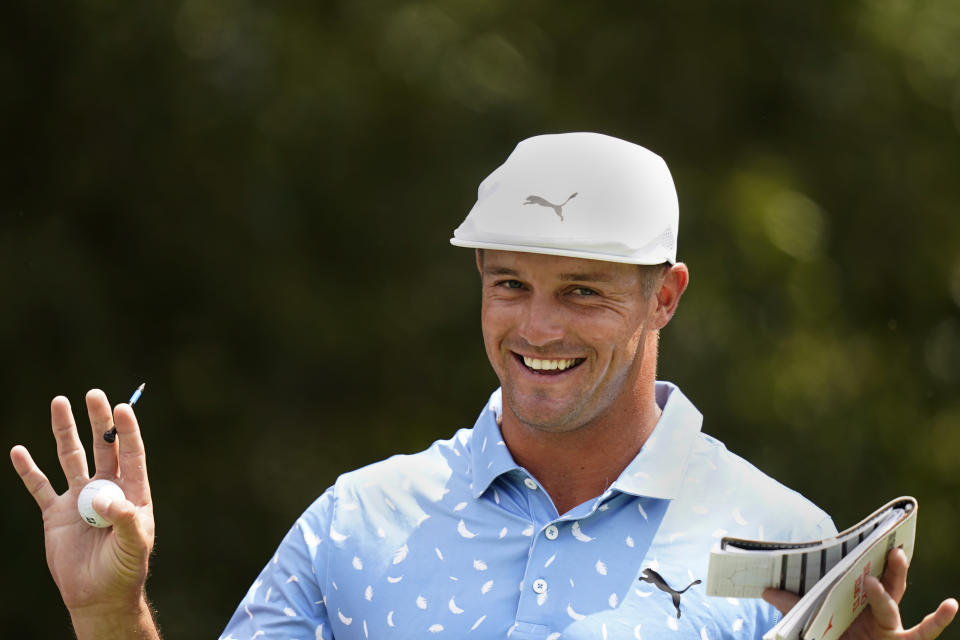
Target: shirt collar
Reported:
[(657, 471), (490, 456)]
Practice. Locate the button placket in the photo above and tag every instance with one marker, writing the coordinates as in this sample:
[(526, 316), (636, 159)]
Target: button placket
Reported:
[(543, 585)]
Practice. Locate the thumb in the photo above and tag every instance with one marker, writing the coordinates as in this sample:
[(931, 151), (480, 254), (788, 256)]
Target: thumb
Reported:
[(122, 514), (782, 600)]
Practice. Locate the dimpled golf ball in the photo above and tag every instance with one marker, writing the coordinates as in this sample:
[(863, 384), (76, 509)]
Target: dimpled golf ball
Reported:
[(85, 501)]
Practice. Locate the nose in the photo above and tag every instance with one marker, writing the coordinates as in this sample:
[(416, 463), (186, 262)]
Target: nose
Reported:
[(542, 322)]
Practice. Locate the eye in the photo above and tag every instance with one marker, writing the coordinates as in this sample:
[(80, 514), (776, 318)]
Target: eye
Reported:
[(584, 291), (510, 284)]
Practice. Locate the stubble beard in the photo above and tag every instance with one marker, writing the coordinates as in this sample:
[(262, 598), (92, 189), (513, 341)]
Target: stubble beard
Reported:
[(588, 404), (561, 414), (558, 420)]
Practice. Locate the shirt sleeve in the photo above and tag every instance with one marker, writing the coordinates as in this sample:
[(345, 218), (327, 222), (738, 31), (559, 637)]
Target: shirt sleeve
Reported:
[(825, 529), (286, 600), (769, 616)]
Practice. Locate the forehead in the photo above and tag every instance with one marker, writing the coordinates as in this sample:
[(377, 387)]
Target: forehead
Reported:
[(537, 265)]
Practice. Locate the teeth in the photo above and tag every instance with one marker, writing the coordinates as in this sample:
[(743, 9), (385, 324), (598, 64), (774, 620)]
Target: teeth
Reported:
[(548, 365)]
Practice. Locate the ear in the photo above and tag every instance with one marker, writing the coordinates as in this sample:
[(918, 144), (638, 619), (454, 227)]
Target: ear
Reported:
[(478, 253), (674, 283)]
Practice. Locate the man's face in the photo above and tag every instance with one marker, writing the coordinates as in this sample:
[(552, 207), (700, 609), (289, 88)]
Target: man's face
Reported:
[(564, 335)]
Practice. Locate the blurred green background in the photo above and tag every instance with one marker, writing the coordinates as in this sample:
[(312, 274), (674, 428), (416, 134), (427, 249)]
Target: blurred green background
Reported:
[(247, 206)]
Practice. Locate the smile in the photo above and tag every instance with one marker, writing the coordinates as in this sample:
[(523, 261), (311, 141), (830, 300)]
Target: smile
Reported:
[(546, 366)]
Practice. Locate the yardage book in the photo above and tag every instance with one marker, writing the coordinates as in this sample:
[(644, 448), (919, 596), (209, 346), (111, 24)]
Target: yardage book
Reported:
[(828, 574)]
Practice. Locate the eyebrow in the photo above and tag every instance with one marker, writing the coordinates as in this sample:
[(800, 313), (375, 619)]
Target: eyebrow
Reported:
[(585, 276), (499, 271)]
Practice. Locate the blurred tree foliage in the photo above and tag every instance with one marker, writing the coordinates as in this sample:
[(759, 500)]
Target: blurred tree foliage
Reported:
[(247, 205)]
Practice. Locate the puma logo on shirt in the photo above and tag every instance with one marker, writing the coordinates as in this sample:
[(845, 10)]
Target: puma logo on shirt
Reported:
[(654, 578)]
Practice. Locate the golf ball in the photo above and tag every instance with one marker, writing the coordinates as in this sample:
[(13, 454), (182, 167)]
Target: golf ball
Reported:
[(88, 493)]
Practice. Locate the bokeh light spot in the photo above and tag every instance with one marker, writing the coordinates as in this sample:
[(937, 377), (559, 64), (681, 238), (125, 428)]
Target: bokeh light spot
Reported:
[(795, 225)]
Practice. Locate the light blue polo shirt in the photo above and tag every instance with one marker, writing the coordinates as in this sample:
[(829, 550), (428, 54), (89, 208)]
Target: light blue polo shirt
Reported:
[(458, 541)]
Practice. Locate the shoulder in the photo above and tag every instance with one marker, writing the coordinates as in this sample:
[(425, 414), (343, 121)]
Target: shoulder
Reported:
[(418, 474), (394, 495), (758, 505), (368, 516)]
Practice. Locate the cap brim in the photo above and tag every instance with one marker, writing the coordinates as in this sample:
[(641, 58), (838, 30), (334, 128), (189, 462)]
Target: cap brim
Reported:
[(553, 251)]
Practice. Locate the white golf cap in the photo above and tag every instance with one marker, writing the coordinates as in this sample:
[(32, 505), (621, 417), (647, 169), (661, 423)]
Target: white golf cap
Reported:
[(583, 195)]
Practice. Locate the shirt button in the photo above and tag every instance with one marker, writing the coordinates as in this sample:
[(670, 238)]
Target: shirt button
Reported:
[(551, 532), (531, 483), (540, 585)]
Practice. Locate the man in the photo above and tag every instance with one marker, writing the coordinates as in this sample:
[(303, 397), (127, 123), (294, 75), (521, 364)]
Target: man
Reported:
[(583, 502)]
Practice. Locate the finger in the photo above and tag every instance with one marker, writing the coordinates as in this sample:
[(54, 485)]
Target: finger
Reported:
[(133, 459), (73, 459), (122, 515), (895, 575), (885, 609), (782, 600), (934, 624), (33, 479), (101, 421)]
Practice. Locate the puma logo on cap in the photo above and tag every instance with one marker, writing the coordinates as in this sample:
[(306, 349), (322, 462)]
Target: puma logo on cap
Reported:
[(654, 578), (557, 208)]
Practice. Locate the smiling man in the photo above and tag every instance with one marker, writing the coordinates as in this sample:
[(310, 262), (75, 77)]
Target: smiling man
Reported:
[(573, 343), (582, 503)]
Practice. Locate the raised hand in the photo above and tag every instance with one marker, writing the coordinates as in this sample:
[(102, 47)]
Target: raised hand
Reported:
[(100, 572), (881, 620)]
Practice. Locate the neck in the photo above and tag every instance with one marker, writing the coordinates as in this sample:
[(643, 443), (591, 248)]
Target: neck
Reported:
[(578, 465)]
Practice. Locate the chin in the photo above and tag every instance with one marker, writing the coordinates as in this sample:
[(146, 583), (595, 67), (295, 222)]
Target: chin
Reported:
[(545, 415)]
